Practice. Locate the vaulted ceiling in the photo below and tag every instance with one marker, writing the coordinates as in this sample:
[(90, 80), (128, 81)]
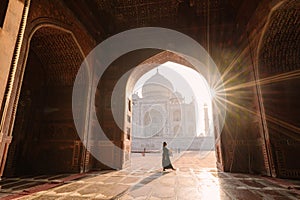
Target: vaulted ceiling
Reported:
[(106, 17)]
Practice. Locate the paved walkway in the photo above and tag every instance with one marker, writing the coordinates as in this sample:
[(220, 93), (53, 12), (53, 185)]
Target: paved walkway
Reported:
[(195, 178)]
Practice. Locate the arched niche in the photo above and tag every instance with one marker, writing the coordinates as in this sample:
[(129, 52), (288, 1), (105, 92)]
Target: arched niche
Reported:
[(278, 67), (45, 139)]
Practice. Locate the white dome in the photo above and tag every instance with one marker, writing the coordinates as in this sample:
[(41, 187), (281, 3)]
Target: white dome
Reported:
[(177, 95), (177, 98), (157, 85)]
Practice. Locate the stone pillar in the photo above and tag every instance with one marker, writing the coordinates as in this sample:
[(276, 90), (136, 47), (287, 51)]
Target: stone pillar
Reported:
[(11, 37)]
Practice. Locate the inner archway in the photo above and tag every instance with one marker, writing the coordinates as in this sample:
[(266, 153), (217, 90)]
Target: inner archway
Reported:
[(127, 82), (172, 103)]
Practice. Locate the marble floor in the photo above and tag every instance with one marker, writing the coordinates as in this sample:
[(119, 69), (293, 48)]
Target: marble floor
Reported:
[(195, 178)]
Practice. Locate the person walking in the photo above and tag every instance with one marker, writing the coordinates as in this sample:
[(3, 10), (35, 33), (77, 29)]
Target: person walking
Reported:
[(144, 152), (166, 162)]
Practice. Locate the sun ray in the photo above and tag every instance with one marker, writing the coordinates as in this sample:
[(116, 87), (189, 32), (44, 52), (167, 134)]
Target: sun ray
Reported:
[(231, 65), (284, 124), (273, 79), (217, 104), (274, 120), (235, 95), (228, 129), (229, 80), (237, 106), (220, 102)]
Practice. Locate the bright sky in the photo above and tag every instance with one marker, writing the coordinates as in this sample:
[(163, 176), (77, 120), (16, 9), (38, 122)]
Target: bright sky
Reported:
[(186, 81)]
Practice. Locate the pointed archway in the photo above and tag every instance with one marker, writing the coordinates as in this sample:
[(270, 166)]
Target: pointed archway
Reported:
[(45, 139)]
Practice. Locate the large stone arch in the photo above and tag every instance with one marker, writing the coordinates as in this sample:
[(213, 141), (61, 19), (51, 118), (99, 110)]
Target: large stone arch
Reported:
[(278, 68), (114, 111), (153, 62), (44, 136)]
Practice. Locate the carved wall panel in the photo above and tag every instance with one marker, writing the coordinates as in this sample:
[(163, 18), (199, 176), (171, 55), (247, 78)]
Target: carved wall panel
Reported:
[(279, 64), (280, 48)]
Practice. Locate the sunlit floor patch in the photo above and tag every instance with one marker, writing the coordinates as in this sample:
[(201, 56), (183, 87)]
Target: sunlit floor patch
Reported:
[(146, 180)]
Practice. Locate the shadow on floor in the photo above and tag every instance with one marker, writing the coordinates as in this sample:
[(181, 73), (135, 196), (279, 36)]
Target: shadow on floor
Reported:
[(148, 179)]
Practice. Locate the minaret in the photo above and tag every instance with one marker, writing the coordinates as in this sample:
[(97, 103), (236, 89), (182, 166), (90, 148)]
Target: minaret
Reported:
[(206, 121)]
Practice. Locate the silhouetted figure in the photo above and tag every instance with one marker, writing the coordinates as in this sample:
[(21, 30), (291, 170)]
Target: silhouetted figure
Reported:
[(166, 162)]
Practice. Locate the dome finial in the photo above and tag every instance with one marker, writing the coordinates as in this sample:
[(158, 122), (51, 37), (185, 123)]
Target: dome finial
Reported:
[(157, 70)]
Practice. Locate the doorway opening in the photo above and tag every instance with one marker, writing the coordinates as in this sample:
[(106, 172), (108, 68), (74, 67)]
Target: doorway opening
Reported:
[(172, 103), (111, 136)]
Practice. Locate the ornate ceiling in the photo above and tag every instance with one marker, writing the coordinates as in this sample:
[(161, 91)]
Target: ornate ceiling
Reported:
[(281, 51), (61, 57), (106, 17)]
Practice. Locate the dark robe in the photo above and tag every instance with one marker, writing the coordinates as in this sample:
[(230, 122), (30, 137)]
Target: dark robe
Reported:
[(166, 162)]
